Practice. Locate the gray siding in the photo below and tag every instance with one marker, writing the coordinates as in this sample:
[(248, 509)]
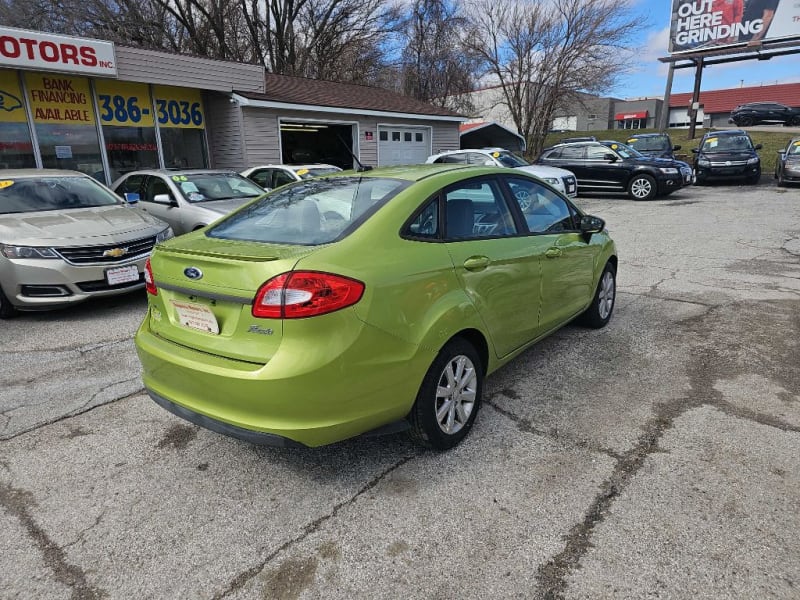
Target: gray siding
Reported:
[(164, 68), (224, 130), (261, 142)]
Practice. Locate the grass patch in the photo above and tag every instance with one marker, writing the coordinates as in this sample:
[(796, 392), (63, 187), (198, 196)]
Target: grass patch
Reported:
[(772, 141)]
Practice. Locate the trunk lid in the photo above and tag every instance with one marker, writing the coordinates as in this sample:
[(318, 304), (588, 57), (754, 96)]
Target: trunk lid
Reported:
[(206, 291)]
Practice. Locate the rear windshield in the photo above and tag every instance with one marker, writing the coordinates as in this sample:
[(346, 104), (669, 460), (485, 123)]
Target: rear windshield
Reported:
[(52, 193), (727, 143), (207, 187), (317, 211), (650, 144)]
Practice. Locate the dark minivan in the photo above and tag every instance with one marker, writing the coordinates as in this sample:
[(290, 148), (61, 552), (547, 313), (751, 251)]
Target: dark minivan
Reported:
[(726, 155)]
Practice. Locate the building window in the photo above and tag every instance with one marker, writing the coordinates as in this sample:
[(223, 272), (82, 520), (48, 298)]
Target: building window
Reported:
[(418, 137), (395, 136), (63, 115), (181, 123), (16, 148), (407, 136), (384, 136), (129, 134)]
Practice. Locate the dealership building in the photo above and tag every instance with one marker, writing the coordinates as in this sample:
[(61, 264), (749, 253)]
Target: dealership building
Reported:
[(104, 109)]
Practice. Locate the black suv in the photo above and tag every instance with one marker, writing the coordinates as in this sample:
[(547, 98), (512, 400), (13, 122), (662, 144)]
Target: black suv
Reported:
[(753, 113), (728, 154), (617, 168), (658, 145)]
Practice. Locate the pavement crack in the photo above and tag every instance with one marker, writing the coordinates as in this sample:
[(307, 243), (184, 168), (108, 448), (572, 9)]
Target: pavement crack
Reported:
[(242, 578), (83, 410), (18, 503), (85, 530)]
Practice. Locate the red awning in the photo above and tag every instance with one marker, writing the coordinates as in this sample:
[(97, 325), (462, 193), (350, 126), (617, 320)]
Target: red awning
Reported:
[(634, 115)]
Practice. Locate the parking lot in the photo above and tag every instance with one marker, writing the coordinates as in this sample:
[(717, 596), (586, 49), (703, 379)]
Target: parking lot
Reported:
[(655, 458)]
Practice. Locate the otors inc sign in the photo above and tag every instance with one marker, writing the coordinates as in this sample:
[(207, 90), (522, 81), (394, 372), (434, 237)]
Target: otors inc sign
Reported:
[(23, 49)]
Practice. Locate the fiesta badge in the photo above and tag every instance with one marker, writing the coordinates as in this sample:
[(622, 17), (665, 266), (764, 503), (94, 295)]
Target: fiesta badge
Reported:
[(193, 272), (115, 252)]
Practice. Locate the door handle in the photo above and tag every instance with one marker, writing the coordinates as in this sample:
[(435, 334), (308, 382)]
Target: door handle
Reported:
[(553, 252), (476, 263)]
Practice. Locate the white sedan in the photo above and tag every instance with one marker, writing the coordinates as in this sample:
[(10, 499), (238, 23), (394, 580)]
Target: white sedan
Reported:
[(561, 179), (274, 176)]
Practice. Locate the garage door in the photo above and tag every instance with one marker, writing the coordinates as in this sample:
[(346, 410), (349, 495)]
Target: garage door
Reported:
[(403, 145)]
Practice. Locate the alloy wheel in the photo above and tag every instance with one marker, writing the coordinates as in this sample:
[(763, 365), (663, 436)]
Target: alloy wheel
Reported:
[(456, 394), (641, 188), (606, 296)]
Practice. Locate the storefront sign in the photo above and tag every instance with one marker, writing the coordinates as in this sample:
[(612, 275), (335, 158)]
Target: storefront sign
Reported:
[(633, 115), (12, 109), (124, 104), (179, 107), (24, 49), (57, 99)]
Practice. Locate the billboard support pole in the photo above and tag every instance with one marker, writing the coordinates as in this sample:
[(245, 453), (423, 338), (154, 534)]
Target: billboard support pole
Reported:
[(664, 121), (698, 77)]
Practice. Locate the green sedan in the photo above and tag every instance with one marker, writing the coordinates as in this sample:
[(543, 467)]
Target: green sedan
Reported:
[(368, 302)]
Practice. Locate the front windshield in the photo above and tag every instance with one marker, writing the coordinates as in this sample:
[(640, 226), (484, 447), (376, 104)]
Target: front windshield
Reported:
[(624, 150), (311, 212), (309, 172), (34, 194), (650, 144), (510, 160), (727, 143), (207, 187)]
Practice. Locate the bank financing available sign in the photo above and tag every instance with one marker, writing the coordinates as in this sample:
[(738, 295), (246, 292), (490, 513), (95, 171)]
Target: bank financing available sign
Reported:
[(707, 24), (34, 50)]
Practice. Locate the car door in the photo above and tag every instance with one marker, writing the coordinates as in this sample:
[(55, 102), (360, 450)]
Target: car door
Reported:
[(567, 265), (130, 188), (155, 185), (604, 172), (493, 261), (572, 158)]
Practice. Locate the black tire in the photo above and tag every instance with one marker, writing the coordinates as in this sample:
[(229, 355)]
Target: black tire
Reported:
[(781, 182), (457, 356), (7, 310), (745, 121), (600, 310), (642, 187), (753, 180), (795, 121)]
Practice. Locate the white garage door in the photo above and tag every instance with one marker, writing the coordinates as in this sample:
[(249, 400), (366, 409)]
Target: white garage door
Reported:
[(403, 145)]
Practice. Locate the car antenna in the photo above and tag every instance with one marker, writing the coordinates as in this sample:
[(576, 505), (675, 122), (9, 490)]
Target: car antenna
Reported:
[(361, 166)]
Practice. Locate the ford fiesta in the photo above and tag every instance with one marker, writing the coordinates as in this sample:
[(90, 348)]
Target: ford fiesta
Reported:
[(371, 302)]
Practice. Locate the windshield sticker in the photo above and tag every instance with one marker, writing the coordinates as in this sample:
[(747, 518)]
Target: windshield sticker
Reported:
[(712, 142), (180, 178), (302, 171), (7, 183), (496, 154), (797, 143), (614, 146), (196, 197), (188, 187), (632, 141)]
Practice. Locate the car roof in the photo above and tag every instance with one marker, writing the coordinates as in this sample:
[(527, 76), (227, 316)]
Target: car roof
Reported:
[(415, 172), (173, 172), (725, 132), (293, 166), (647, 135), (32, 173)]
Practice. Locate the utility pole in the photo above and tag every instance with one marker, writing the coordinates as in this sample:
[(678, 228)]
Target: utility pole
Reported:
[(695, 106)]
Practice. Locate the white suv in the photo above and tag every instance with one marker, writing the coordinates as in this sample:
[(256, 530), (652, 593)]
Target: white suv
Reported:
[(561, 179)]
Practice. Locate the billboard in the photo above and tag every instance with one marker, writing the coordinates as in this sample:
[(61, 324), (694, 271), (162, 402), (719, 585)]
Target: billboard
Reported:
[(708, 24)]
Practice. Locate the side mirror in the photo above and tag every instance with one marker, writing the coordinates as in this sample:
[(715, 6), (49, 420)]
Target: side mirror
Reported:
[(758, 146), (676, 147), (591, 224), (164, 199), (781, 152), (611, 157), (694, 150), (131, 197)]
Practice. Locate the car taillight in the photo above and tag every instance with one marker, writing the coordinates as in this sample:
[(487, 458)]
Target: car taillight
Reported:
[(300, 294), (149, 282)]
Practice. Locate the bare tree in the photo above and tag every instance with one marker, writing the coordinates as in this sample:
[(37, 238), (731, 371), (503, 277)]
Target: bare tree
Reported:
[(436, 65), (545, 54)]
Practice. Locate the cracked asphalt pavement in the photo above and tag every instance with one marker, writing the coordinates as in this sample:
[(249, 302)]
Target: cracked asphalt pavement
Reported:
[(656, 458)]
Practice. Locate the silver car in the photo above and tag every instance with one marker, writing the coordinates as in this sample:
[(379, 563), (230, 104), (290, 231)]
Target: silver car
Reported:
[(188, 199), (64, 238)]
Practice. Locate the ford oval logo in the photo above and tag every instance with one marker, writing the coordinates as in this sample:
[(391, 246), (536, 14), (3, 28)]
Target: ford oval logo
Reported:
[(193, 272)]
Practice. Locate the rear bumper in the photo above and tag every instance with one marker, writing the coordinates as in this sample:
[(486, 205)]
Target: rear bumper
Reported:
[(306, 397)]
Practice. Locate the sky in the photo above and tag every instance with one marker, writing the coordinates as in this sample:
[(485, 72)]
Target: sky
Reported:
[(648, 77)]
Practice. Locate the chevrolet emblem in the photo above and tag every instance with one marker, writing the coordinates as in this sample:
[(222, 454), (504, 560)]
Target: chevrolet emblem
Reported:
[(115, 252)]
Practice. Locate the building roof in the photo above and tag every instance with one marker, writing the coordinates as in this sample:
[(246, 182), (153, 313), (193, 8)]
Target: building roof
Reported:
[(721, 101), (287, 89)]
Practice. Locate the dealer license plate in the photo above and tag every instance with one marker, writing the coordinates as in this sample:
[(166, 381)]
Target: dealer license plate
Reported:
[(196, 316), (120, 275)]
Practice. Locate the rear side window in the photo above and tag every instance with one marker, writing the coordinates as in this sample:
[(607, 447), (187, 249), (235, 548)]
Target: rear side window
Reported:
[(426, 223), (477, 210), (316, 211)]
